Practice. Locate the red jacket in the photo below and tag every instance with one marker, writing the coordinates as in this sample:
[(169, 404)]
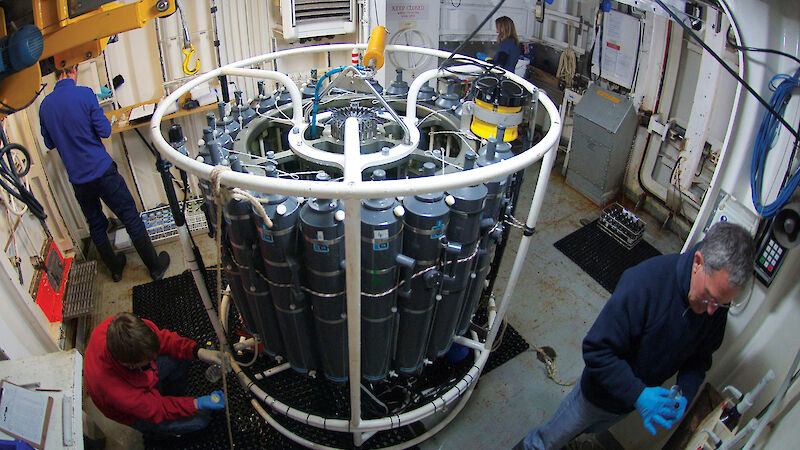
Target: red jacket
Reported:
[(126, 395)]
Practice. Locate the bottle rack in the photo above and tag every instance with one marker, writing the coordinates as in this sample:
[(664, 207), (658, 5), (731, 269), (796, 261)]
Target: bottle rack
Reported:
[(622, 225), (161, 225)]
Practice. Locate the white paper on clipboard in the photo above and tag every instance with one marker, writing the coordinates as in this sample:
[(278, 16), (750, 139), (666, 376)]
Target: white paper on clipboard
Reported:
[(23, 413), (619, 46)]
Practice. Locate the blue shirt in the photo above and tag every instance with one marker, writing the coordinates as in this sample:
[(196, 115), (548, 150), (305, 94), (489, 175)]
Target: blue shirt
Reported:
[(646, 333), (73, 122), (507, 54)]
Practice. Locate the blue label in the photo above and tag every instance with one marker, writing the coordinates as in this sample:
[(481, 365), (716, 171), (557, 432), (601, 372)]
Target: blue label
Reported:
[(438, 230), (383, 246), (266, 234), (320, 248)]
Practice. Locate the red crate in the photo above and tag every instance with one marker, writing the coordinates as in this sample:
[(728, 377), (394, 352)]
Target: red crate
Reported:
[(49, 297)]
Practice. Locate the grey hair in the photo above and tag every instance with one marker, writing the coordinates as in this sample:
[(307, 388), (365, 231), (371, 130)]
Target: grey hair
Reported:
[(729, 246)]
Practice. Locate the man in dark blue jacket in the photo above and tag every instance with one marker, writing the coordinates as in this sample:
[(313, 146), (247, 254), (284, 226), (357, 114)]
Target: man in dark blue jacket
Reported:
[(73, 122), (667, 315)]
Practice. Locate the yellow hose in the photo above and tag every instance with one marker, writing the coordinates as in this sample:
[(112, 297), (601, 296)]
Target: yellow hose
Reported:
[(373, 57)]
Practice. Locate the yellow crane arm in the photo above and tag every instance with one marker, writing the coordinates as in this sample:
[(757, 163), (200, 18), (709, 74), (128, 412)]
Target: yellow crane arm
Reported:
[(70, 40)]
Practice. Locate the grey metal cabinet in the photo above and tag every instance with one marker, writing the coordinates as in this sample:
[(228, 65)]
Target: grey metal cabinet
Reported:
[(605, 123)]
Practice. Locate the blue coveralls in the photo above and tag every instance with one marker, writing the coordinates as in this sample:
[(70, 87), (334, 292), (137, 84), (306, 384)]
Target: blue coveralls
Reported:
[(73, 122)]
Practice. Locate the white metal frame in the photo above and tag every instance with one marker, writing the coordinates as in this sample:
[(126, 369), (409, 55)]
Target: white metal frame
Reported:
[(351, 191)]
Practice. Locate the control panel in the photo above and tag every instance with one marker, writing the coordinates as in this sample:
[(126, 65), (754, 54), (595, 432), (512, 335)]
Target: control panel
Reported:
[(769, 258)]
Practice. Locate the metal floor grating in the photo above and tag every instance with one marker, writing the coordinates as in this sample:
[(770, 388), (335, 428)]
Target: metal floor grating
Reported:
[(602, 257), (315, 395), (79, 296)]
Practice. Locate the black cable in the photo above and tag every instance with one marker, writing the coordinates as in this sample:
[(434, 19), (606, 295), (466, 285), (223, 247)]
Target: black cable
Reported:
[(9, 178), (733, 73), (645, 191), (11, 110), (636, 62), (788, 173), (600, 55), (757, 49), (474, 32)]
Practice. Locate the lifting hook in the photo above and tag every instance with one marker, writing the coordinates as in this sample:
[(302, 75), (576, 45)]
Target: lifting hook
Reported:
[(189, 52)]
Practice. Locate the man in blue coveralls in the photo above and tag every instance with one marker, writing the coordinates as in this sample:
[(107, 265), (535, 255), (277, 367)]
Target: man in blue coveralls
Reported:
[(73, 122), (667, 315)]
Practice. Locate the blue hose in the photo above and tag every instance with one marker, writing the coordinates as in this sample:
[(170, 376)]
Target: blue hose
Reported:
[(316, 96), (765, 139)]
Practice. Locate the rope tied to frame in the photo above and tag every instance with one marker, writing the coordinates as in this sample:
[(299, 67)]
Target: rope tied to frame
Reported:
[(221, 196)]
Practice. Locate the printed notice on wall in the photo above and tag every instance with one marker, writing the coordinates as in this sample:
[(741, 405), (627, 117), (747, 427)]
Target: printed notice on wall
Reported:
[(616, 54), (408, 10)]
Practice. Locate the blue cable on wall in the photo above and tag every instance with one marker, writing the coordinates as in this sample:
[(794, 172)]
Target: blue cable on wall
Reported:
[(765, 139)]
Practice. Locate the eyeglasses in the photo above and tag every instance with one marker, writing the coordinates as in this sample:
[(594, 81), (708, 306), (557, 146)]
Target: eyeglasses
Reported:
[(716, 305)]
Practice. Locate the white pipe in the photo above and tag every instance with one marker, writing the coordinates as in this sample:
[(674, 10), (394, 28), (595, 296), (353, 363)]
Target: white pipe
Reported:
[(243, 345), (777, 403), (436, 428), (199, 281), (466, 342), (385, 423), (492, 310), (352, 251), (522, 251), (664, 101), (274, 424), (224, 306), (272, 371), (740, 435), (369, 189), (710, 200)]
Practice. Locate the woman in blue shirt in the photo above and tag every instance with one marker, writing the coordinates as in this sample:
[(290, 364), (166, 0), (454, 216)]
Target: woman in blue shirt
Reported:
[(508, 52)]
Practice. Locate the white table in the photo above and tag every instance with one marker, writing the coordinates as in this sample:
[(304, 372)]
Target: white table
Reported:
[(59, 370)]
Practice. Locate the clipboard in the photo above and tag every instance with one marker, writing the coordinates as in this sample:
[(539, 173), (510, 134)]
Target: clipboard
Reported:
[(19, 405)]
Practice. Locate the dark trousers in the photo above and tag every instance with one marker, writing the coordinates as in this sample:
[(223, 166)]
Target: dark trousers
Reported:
[(172, 381), (111, 189)]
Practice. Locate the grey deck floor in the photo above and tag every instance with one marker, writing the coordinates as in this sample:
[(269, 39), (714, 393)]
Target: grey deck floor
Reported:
[(554, 305)]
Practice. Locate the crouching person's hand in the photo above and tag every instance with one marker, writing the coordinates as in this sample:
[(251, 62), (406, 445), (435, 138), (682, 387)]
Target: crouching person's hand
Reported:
[(213, 401)]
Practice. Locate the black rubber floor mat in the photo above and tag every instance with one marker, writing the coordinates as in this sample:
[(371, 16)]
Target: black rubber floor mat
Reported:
[(174, 304), (600, 256)]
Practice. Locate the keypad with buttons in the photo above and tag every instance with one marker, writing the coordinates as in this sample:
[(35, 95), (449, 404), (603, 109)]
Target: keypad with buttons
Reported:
[(769, 259)]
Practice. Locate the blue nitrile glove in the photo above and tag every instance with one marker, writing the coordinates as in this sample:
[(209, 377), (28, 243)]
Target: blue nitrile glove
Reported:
[(482, 56), (652, 403), (104, 93), (675, 410), (215, 400)]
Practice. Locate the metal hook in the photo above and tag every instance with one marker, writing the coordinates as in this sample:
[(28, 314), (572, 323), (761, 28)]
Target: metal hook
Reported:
[(189, 52)]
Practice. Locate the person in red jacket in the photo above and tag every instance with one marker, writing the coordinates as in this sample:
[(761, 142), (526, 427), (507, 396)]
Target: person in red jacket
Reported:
[(134, 374)]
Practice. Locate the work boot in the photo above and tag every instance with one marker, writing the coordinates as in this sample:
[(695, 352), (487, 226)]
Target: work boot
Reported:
[(115, 262), (157, 264)]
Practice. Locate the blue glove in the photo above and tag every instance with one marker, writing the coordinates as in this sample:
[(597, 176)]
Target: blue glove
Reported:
[(216, 400), (653, 403), (482, 56), (104, 93), (675, 411)]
